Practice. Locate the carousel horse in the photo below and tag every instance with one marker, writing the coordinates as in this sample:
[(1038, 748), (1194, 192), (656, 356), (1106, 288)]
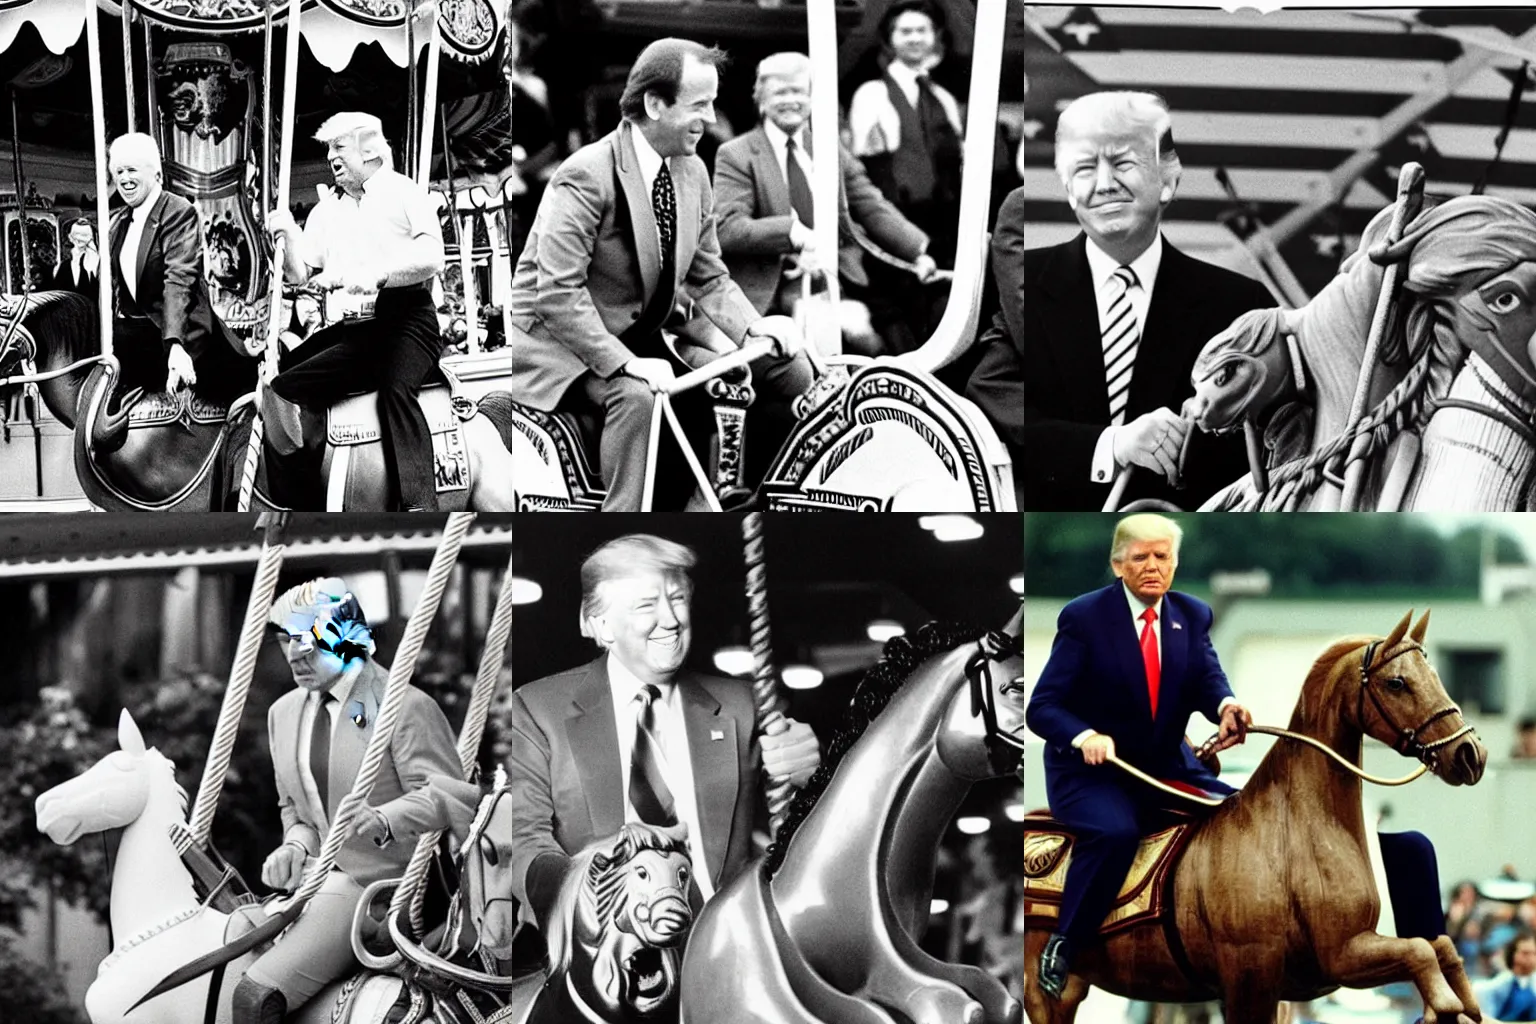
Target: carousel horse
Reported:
[(1456, 376), (158, 919), (615, 940), (825, 929), (1272, 897), (177, 452)]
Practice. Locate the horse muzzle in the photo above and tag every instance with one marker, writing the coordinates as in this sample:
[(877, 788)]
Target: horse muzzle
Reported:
[(55, 822), (664, 921), (1461, 763)]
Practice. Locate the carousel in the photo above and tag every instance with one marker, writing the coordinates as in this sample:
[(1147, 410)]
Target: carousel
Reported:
[(226, 89)]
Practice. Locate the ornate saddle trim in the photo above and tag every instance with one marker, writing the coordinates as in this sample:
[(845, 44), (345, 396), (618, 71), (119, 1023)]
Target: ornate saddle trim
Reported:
[(159, 408), (355, 420), (1145, 897)]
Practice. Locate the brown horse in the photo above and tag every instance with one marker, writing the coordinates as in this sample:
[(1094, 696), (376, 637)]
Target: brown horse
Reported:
[(1274, 897)]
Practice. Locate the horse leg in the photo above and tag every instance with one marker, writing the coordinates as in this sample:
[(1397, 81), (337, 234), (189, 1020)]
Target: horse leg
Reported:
[(1039, 1007), (1250, 990), (490, 467), (1369, 959), (1455, 972)]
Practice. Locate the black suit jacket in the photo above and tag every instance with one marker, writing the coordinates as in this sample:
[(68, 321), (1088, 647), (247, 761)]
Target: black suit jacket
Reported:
[(996, 383), (63, 278), (1066, 406)]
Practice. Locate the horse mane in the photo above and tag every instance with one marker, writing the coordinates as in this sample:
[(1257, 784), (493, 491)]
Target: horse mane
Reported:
[(597, 866), (1322, 668), (68, 316), (900, 657)]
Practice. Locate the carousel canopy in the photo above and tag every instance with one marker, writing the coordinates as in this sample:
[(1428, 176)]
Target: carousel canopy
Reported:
[(1294, 107)]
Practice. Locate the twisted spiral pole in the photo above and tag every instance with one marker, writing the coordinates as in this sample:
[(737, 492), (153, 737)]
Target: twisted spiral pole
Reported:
[(274, 544), (394, 699), (492, 656), (767, 692)]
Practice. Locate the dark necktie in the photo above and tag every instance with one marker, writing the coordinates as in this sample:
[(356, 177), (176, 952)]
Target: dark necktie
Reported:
[(1150, 659), (664, 202), (799, 188), (648, 792), (320, 749)]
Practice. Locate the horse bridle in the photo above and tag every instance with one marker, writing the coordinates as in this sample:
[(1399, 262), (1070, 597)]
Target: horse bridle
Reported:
[(994, 646), (1409, 742)]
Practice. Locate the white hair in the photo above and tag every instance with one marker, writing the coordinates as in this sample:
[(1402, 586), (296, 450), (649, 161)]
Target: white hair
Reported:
[(787, 64), (1144, 527), (134, 147), (1120, 111), (365, 130)]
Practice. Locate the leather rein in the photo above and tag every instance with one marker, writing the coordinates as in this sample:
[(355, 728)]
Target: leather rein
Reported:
[(1408, 743)]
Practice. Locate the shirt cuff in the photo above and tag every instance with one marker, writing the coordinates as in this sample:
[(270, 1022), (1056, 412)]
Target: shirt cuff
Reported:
[(1081, 738), (1223, 705), (1103, 467)]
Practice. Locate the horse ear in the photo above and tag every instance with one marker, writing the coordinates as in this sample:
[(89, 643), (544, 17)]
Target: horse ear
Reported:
[(1399, 631), (128, 736), (1419, 629)]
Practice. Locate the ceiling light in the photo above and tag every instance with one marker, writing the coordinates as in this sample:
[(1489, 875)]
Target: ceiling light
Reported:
[(525, 591), (802, 677), (973, 825), (1016, 583), (951, 527), (734, 661), (882, 630), (1015, 812), (938, 906)]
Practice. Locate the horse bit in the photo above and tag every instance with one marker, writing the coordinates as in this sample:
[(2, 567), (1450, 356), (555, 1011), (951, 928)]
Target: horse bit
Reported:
[(995, 645)]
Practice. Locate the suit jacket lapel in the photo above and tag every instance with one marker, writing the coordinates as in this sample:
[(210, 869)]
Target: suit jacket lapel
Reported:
[(290, 713), (1071, 318), (715, 764), (1126, 642), (595, 741), (687, 218), (147, 238), (348, 742), (642, 216), (1175, 656), (1162, 337), (773, 188)]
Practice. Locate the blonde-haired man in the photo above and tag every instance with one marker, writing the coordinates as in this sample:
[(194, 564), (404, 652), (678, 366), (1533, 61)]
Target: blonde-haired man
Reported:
[(763, 195), (1112, 321), (318, 733), (377, 244), (1130, 663)]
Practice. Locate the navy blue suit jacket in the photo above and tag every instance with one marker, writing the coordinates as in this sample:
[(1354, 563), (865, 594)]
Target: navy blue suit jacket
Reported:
[(1094, 679)]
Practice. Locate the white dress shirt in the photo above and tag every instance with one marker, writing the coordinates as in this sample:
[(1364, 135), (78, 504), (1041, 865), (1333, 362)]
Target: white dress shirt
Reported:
[(873, 121), (341, 691), (1102, 267), (129, 258), (677, 764), (650, 166)]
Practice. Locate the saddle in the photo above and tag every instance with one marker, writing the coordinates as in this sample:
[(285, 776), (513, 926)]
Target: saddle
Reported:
[(1144, 897), (354, 421), (159, 408)]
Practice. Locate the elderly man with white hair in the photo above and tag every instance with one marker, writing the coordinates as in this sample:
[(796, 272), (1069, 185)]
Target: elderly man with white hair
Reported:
[(1112, 321), (376, 244), (763, 196), (165, 333)]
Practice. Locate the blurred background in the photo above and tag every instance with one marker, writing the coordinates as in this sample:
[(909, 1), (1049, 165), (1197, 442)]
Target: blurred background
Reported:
[(121, 611), (1283, 587), (838, 587)]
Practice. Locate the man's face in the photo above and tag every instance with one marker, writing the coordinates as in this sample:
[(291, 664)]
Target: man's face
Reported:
[(787, 101), (347, 165), (79, 236), (313, 669), (912, 38), (1147, 568), (1524, 962), (135, 179), (675, 129), (1114, 186), (646, 623)]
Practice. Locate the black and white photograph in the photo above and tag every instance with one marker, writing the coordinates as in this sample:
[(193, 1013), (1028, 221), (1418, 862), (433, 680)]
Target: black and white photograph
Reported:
[(1277, 261)]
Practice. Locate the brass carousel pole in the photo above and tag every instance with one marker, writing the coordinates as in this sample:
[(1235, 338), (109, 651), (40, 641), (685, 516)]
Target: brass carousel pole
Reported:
[(99, 141)]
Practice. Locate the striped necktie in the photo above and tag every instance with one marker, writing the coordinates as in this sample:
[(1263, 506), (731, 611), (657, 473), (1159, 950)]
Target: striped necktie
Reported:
[(648, 792), (1121, 336)]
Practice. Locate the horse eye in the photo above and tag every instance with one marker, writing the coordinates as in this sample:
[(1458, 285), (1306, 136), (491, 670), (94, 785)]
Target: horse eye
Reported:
[(1224, 376), (682, 875), (1504, 302), (1396, 684), (645, 876), (488, 850)]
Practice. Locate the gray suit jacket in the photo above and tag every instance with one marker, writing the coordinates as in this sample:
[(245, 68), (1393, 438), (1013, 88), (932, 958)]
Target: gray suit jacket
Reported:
[(755, 215), (423, 745), (586, 271), (566, 780)]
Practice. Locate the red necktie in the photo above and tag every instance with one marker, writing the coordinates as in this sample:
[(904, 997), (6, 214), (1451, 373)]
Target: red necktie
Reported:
[(1149, 658)]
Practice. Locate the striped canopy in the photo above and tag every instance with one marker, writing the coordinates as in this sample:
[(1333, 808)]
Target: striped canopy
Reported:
[(1309, 114)]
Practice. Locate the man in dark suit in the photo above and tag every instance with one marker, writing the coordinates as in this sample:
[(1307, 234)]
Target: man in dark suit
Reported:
[(165, 333), (1129, 665), (1115, 319), (763, 180), (77, 271), (318, 733), (625, 229), (633, 736), (996, 383)]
